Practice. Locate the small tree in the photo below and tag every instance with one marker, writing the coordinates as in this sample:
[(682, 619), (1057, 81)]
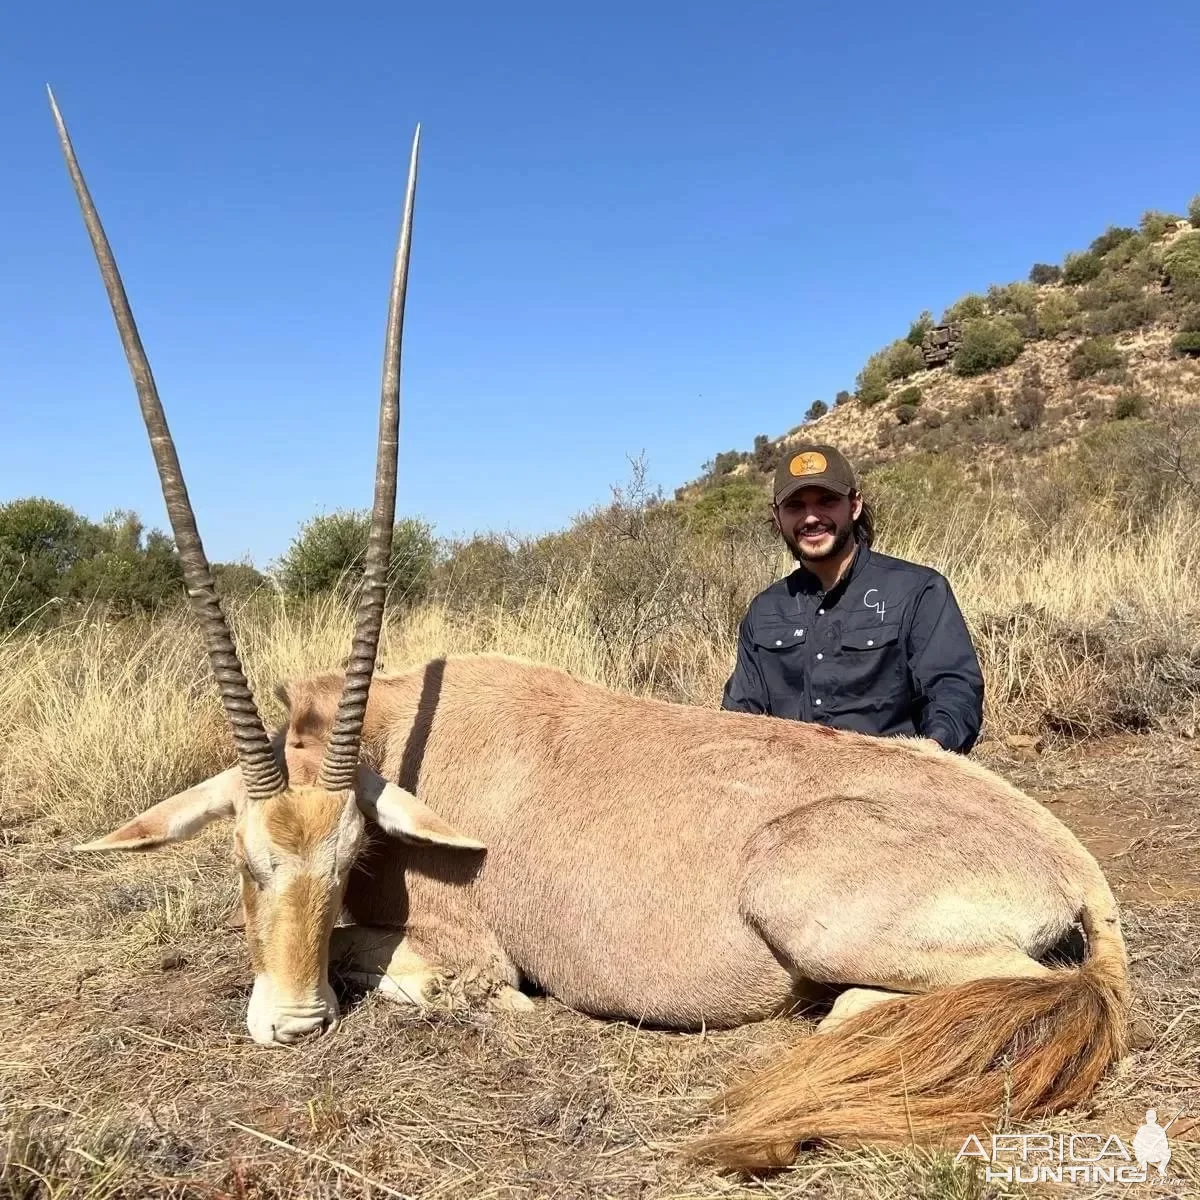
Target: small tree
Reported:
[(329, 552), (918, 329), (816, 410), (766, 454), (1080, 268), (842, 397), (986, 345), (1182, 263), (1194, 211), (1044, 273), (1092, 356)]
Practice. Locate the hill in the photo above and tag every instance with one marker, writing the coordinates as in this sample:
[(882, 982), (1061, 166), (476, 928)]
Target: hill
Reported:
[(1026, 372)]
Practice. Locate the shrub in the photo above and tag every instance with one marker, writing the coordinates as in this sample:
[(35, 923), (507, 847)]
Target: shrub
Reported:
[(328, 552), (841, 398), (723, 463), (1017, 298), (1030, 404), (1189, 319), (987, 344), (933, 419), (817, 409), (1110, 239), (1125, 315), (984, 403), (766, 455), (1044, 273), (1080, 268), (1128, 404), (1154, 224), (1194, 211), (918, 329), (872, 383), (54, 562), (905, 413), (968, 308), (1093, 356), (237, 580), (902, 359), (1182, 264), (1186, 343), (1055, 314), (909, 395)]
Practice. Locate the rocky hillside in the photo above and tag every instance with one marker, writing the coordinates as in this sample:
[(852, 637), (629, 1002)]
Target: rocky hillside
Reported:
[(1026, 369)]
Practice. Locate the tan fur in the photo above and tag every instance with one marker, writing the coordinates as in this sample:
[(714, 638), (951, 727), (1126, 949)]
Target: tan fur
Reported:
[(688, 867), (300, 819)]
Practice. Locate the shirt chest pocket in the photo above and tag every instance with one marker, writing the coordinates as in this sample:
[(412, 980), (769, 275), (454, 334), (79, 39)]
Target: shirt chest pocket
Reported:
[(870, 657), (781, 650)]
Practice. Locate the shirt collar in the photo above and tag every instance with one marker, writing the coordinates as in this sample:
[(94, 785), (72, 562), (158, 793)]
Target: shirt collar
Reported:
[(803, 580)]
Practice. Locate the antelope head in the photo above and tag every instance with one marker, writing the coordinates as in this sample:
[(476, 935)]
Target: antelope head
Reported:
[(294, 840)]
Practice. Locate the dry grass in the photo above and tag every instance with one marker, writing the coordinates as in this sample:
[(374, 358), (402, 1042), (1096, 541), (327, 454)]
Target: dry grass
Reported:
[(125, 1068)]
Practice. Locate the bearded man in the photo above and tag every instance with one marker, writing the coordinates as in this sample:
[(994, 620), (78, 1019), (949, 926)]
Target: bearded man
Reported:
[(853, 638)]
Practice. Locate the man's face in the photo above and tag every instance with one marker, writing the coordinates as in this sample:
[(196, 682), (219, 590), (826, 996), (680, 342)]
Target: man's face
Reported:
[(817, 523)]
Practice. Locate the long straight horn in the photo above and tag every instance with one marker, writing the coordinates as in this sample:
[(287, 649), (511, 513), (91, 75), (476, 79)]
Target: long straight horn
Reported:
[(260, 770), (341, 755)]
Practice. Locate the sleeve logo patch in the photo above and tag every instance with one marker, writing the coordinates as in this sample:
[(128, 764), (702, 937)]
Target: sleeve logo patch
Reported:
[(810, 463)]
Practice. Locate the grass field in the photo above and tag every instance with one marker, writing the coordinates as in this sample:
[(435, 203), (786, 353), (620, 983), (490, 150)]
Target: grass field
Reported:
[(126, 1069)]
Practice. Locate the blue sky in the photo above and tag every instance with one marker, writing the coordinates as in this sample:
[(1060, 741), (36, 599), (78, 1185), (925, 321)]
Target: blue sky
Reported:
[(658, 228)]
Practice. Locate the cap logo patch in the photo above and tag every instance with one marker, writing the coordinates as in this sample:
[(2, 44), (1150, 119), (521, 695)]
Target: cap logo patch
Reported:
[(809, 463)]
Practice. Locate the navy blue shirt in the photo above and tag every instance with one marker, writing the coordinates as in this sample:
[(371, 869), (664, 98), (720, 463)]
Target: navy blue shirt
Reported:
[(885, 652)]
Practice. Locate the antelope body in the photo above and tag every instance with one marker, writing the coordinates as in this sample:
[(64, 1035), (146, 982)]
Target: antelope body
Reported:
[(648, 861)]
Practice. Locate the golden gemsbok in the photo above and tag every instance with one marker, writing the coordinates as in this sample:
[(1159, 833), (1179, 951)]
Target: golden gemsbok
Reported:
[(644, 860)]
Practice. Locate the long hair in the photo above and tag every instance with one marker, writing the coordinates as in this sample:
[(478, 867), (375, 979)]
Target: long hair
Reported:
[(864, 525)]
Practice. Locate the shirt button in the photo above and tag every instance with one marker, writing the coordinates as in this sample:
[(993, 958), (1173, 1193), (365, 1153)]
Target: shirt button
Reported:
[(870, 642), (820, 612), (817, 702), (778, 642), (820, 656)]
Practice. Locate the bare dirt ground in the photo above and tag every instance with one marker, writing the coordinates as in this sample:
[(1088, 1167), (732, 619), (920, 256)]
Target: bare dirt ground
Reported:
[(126, 1068)]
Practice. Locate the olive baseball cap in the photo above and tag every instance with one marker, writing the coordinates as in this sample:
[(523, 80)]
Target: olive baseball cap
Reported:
[(813, 465)]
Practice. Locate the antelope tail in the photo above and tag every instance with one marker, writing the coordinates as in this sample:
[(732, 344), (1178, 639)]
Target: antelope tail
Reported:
[(945, 1064)]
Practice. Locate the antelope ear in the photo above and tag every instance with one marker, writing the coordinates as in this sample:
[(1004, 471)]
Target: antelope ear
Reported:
[(401, 815), (177, 818)]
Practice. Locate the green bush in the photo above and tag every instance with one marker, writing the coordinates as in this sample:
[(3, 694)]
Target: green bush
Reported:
[(1194, 211), (1182, 263), (237, 580), (918, 329), (816, 410), (1124, 315), (1186, 343), (1154, 224), (1110, 239), (1189, 319), (54, 562), (909, 395), (1055, 314), (1128, 404), (872, 383), (1016, 298), (1080, 268), (1044, 273), (842, 398), (987, 344), (723, 463), (766, 455), (905, 413), (329, 551), (1093, 356), (968, 308)]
